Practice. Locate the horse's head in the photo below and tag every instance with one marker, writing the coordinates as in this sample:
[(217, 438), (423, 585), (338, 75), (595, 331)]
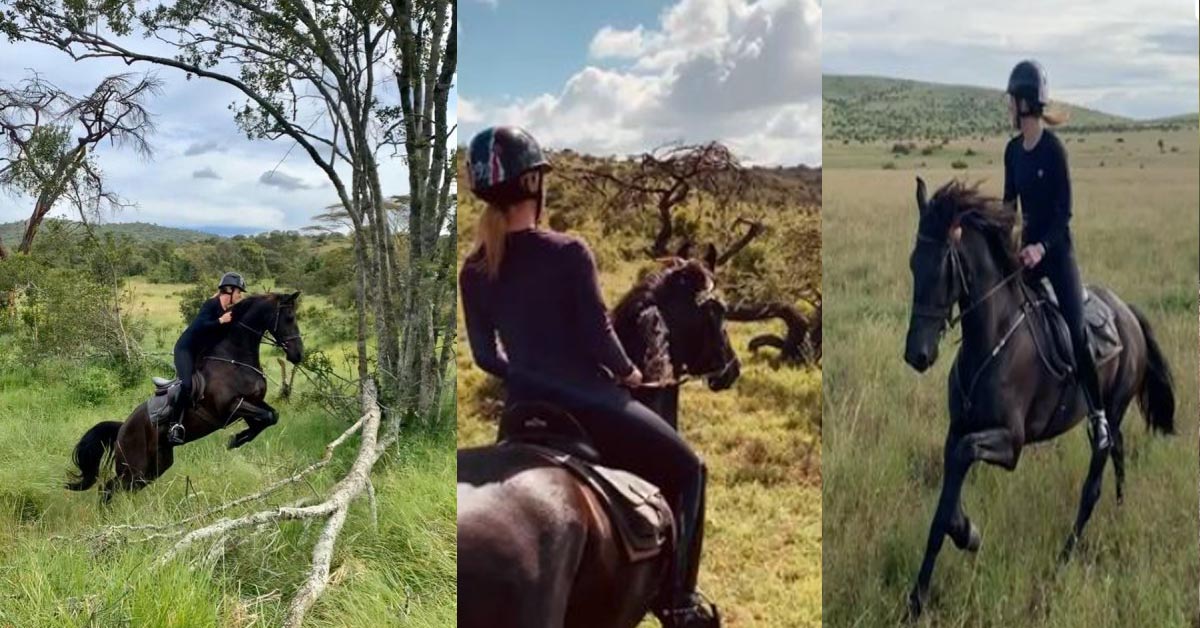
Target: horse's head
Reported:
[(960, 232), (274, 313), (685, 299)]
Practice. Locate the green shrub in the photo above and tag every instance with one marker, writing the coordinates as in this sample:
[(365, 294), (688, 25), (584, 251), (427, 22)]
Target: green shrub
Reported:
[(959, 165), (94, 385)]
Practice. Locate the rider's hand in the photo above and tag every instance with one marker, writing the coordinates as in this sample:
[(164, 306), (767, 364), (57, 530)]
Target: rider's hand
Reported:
[(227, 317), (633, 379), (1032, 255)]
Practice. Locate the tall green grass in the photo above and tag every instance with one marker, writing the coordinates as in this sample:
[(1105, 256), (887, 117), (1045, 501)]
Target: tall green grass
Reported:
[(53, 572), (1135, 226)]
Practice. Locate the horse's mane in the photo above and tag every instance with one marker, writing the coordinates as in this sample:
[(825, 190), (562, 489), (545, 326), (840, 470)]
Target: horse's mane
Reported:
[(243, 308), (645, 291), (964, 203), (642, 330)]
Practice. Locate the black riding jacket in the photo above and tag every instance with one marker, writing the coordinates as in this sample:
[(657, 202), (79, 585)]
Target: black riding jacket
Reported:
[(1041, 180), (204, 330)]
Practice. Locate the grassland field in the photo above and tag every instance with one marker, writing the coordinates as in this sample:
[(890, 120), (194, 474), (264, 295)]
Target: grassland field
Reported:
[(1135, 213), (53, 574)]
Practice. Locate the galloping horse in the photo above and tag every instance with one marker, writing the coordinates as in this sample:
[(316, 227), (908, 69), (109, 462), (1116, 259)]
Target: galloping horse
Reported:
[(236, 388), (535, 547), (1004, 392)]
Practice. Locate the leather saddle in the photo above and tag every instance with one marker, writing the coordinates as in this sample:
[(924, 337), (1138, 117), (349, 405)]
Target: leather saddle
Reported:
[(166, 395), (1054, 339), (639, 512)]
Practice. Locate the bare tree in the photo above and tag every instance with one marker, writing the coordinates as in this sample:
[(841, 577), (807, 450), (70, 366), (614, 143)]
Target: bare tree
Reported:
[(48, 137), (665, 179)]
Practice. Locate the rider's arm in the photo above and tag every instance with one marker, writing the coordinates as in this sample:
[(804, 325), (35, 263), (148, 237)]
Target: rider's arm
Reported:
[(481, 329), (209, 315), (596, 329), (1059, 177)]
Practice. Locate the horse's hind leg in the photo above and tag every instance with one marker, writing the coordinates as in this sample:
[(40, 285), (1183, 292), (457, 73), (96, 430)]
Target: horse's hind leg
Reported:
[(995, 446), (1087, 501)]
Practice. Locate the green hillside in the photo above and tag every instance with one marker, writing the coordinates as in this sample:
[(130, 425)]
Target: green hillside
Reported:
[(11, 232), (866, 108)]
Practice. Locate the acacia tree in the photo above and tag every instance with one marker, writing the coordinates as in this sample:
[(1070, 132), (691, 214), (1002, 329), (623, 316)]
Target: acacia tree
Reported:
[(47, 137), (665, 179)]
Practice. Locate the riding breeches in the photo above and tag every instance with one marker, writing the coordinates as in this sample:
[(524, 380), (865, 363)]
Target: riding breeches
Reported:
[(1060, 268), (185, 365)]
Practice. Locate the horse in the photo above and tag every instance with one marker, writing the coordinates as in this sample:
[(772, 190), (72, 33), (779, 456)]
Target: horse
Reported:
[(536, 548), (1004, 393), (236, 389)]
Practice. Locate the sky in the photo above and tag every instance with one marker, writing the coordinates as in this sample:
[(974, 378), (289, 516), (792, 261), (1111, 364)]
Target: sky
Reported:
[(626, 76), (1136, 58), (204, 173)]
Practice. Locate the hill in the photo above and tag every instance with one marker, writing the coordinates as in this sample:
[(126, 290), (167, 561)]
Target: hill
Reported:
[(11, 232), (868, 108)]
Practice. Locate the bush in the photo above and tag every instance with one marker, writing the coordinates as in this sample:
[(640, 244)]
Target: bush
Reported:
[(959, 165), (891, 165), (94, 385)]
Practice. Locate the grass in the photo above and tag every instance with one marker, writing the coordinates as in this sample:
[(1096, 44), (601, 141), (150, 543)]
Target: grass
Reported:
[(52, 574), (1135, 227)]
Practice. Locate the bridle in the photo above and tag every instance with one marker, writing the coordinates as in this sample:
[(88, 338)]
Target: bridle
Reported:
[(704, 299), (275, 339)]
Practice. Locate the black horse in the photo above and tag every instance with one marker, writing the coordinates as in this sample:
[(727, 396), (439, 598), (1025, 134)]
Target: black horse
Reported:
[(236, 388), (535, 547), (1003, 394)]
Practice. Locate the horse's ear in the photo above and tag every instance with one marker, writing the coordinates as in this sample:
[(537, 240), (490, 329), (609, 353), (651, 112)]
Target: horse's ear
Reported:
[(710, 256), (685, 250), (291, 298), (922, 200)]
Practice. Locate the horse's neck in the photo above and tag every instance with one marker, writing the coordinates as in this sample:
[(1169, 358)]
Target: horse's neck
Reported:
[(240, 344), (986, 321)]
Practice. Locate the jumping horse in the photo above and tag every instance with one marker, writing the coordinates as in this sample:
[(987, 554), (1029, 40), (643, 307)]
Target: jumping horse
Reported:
[(536, 548), (1005, 391), (235, 388)]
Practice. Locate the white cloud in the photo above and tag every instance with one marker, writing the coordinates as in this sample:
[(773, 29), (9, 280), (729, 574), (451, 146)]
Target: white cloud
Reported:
[(746, 72), (283, 181), (205, 173)]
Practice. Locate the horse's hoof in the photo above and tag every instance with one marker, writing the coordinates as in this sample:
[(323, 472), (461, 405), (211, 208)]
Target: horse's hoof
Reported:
[(974, 540), (233, 443), (916, 605), (1068, 550)]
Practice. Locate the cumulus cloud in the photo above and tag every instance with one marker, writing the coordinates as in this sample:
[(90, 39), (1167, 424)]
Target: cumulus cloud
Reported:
[(1131, 57), (746, 72), (283, 181), (200, 148), (205, 173)]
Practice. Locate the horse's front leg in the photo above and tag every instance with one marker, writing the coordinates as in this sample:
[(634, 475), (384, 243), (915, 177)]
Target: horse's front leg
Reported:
[(259, 416), (995, 446)]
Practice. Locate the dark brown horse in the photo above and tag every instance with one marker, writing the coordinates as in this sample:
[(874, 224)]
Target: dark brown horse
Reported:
[(1003, 394), (236, 389), (535, 547)]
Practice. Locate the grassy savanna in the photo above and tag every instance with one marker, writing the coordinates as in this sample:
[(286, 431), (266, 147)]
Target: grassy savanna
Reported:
[(53, 572), (761, 439), (1135, 229)]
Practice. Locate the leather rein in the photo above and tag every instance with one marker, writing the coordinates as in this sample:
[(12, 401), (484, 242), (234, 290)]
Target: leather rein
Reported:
[(274, 340)]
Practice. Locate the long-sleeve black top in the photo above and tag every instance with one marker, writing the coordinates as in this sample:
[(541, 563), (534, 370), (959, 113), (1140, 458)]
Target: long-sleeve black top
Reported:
[(543, 316), (204, 330), (1041, 180)]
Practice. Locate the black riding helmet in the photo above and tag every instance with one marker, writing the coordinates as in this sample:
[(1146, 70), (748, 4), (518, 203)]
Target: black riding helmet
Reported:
[(1027, 83), (498, 157), (232, 280)]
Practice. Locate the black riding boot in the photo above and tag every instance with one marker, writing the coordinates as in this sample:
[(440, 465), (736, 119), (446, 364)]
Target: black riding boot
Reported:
[(176, 434), (1089, 379), (686, 606)]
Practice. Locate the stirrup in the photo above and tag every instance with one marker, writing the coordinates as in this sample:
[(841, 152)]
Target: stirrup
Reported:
[(698, 610), (177, 434)]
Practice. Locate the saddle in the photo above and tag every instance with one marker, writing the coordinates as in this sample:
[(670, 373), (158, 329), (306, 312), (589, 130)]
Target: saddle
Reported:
[(166, 395), (639, 512), (1054, 339)]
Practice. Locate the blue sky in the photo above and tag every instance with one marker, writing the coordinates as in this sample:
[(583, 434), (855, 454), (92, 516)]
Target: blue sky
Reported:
[(204, 173), (628, 76), (1136, 58)]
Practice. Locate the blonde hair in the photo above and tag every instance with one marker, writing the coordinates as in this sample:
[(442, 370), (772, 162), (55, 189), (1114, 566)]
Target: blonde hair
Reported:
[(490, 238), (1055, 116)]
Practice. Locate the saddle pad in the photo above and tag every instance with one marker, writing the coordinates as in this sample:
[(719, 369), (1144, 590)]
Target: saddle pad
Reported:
[(165, 396), (1099, 322), (637, 508)]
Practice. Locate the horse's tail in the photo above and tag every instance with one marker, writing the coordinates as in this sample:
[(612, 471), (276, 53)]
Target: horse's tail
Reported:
[(90, 454), (1157, 396)]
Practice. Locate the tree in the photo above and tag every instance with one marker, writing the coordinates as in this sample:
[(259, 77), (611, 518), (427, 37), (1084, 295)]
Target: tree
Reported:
[(666, 178), (48, 136)]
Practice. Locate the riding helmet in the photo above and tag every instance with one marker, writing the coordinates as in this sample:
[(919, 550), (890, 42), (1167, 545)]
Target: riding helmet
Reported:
[(1028, 82), (233, 280), (498, 156)]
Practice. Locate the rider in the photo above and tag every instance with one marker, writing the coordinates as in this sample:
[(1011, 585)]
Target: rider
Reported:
[(1035, 171), (536, 292), (200, 336)]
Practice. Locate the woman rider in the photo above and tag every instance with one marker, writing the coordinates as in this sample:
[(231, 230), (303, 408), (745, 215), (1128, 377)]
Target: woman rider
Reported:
[(537, 293), (1035, 172), (200, 336)]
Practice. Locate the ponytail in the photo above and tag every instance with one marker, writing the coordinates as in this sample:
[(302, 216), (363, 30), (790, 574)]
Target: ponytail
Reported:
[(489, 240), (1056, 116)]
